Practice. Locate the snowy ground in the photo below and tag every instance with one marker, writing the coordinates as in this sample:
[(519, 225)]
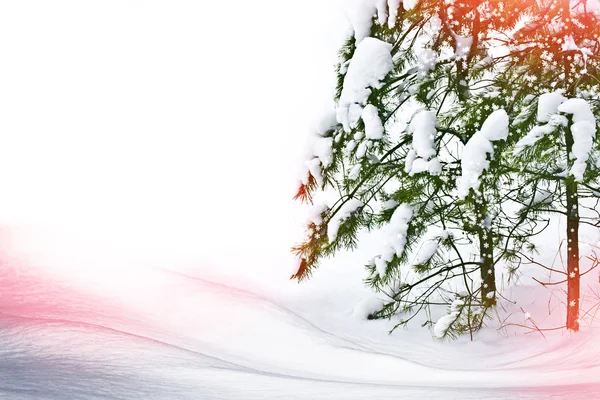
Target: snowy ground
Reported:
[(165, 334)]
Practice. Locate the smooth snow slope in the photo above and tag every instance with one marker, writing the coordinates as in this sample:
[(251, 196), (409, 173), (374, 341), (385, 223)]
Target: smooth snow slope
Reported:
[(160, 334)]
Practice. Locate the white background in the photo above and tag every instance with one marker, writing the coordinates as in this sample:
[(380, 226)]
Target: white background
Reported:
[(161, 130)]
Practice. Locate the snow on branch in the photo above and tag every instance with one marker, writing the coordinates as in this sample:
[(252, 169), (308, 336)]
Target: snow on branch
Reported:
[(338, 218), (396, 232), (583, 131), (547, 111), (422, 158), (429, 245), (474, 159), (443, 325), (371, 63), (373, 124), (548, 105), (361, 12)]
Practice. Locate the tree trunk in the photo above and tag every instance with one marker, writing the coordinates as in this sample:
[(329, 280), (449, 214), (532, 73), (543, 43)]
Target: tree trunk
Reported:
[(572, 205), (572, 242), (488, 276), (486, 252), (572, 256)]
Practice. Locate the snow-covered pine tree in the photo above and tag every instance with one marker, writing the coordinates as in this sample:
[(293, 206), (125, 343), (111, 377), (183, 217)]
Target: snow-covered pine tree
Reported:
[(551, 76), (411, 101)]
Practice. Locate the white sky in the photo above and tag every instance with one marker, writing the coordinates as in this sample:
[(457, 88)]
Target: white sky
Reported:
[(172, 130)]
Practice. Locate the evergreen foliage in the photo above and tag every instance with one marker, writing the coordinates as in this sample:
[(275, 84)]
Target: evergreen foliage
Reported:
[(427, 146)]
